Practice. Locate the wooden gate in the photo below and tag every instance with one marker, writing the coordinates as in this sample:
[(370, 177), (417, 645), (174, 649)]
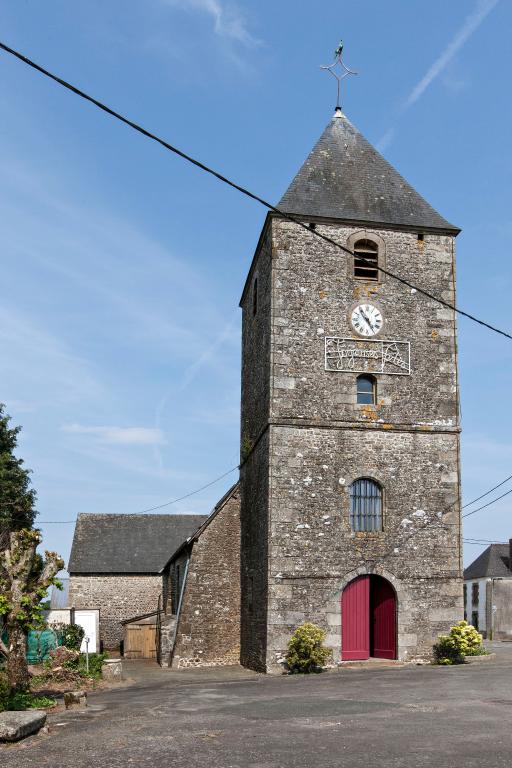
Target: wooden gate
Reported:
[(355, 617), (383, 611), (140, 641)]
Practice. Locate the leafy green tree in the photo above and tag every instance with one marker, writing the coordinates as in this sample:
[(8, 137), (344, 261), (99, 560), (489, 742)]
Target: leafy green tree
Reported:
[(17, 498)]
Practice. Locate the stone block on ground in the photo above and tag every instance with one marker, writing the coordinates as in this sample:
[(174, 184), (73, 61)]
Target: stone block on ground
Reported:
[(112, 669), (18, 725), (75, 699)]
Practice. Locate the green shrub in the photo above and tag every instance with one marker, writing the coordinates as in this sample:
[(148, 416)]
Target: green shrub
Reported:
[(70, 635), (306, 652), (95, 662), (25, 700), (463, 640)]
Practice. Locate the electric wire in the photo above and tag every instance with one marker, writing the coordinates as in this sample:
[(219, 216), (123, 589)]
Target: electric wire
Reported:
[(225, 180), (269, 206), (493, 501), (159, 506), (469, 503)]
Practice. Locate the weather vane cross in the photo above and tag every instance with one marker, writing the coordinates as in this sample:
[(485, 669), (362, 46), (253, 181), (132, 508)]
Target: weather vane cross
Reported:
[(343, 72)]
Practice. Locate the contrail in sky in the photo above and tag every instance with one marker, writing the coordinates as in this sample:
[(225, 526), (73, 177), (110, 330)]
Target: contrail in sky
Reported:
[(471, 24)]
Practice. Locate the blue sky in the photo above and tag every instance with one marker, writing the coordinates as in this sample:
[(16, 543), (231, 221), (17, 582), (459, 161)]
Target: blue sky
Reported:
[(122, 266)]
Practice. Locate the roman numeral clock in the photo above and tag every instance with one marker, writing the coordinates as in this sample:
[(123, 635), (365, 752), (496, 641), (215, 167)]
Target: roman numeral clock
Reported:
[(366, 319)]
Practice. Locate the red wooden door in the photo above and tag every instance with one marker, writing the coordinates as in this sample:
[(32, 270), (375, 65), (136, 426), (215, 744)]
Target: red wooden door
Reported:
[(355, 620), (383, 603)]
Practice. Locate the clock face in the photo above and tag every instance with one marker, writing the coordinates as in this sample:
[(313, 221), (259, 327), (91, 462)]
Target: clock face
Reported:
[(366, 320)]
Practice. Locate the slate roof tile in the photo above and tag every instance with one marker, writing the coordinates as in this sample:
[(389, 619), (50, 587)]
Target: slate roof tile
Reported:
[(345, 178), (493, 562), (128, 543)]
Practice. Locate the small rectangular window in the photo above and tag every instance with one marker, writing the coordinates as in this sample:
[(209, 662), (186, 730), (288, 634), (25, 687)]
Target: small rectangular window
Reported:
[(475, 594), (366, 390), (255, 297)]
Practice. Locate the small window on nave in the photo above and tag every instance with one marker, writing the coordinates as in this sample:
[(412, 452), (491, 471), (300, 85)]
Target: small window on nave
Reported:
[(366, 390), (365, 505), (366, 260), (255, 297)]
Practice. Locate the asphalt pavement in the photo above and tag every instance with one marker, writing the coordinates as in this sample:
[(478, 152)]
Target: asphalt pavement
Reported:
[(448, 717)]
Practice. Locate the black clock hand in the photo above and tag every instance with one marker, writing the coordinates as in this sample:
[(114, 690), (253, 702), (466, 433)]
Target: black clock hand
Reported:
[(368, 323)]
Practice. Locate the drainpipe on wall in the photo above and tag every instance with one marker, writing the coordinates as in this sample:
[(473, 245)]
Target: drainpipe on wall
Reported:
[(178, 610), (491, 625), (182, 590)]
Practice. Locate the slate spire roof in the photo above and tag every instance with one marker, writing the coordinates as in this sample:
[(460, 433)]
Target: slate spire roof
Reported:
[(345, 178)]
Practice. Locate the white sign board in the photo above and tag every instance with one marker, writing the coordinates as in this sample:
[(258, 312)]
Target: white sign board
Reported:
[(90, 622)]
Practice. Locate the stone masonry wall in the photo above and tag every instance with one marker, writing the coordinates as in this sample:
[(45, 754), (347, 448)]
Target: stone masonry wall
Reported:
[(313, 294), (208, 630), (254, 485), (314, 553), (118, 597), (319, 440), (256, 336)]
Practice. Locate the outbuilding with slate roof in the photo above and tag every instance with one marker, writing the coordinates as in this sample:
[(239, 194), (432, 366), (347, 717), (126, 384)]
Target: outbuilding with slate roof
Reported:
[(488, 592), (116, 565)]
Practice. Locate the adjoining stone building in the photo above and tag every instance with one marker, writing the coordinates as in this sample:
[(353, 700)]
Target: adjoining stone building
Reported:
[(350, 490), (201, 621), (116, 565), (488, 592)]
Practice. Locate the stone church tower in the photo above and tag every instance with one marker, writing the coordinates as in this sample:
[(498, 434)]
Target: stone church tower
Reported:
[(350, 416)]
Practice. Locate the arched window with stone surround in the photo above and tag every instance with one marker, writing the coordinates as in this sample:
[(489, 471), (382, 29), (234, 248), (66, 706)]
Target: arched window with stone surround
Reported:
[(365, 505), (366, 260)]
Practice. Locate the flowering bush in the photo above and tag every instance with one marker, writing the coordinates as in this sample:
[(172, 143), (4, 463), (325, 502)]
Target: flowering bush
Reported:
[(463, 640), (306, 652)]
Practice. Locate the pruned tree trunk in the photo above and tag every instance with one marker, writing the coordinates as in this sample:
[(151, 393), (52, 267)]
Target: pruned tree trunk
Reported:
[(24, 578), (17, 666)]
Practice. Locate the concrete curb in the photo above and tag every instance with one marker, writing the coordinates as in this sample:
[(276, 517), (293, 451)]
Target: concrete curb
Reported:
[(479, 659)]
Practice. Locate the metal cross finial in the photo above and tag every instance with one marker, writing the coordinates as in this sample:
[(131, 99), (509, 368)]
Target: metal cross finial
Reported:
[(344, 72)]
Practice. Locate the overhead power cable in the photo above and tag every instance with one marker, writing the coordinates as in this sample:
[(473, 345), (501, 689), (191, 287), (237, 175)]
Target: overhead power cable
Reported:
[(225, 474), (239, 188), (493, 501), (159, 506), (469, 503)]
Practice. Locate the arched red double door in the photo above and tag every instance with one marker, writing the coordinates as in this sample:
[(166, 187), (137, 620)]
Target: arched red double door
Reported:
[(368, 619)]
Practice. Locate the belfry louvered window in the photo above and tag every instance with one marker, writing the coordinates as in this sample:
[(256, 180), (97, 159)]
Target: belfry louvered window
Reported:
[(366, 260), (365, 505)]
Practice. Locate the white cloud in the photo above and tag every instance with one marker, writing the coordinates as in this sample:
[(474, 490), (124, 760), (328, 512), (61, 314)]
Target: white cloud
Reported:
[(228, 19), (471, 24), (119, 435)]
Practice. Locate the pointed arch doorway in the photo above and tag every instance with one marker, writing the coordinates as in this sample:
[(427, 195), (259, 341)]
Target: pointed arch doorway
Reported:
[(368, 619)]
